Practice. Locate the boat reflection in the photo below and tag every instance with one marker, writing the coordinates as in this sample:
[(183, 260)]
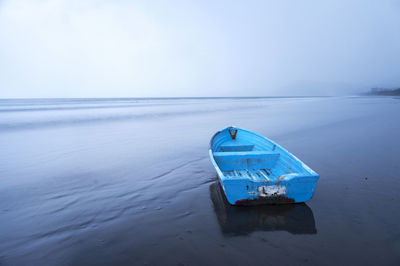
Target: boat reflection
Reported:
[(234, 220)]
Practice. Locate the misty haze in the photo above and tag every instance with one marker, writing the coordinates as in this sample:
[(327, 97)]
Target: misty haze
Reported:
[(112, 123)]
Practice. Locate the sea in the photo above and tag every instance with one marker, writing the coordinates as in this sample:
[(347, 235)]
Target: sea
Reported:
[(128, 181)]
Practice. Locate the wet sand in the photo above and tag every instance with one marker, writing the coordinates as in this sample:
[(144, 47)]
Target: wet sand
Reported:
[(129, 181)]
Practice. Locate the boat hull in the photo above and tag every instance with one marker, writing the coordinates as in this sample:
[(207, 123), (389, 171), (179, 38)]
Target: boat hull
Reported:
[(245, 189), (234, 221)]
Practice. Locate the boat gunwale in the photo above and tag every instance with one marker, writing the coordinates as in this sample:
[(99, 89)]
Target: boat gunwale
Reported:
[(306, 167)]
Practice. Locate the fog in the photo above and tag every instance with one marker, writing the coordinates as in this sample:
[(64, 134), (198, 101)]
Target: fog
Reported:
[(122, 48)]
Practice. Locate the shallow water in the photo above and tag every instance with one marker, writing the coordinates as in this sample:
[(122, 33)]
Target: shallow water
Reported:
[(129, 181)]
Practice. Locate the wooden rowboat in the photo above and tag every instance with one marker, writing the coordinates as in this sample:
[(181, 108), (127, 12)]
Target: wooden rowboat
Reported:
[(255, 170)]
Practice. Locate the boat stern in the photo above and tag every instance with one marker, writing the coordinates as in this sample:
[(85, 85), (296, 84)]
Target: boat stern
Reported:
[(289, 189)]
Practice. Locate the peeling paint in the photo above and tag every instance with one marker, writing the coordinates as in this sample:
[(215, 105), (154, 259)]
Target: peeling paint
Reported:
[(270, 191)]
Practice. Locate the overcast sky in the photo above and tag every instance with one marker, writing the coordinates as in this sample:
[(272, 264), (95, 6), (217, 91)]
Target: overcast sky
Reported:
[(109, 48)]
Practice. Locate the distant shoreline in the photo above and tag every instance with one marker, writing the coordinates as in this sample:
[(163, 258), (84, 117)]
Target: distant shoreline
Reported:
[(384, 92), (165, 98)]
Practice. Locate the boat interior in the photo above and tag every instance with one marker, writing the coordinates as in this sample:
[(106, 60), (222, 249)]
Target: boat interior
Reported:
[(240, 160), (243, 154)]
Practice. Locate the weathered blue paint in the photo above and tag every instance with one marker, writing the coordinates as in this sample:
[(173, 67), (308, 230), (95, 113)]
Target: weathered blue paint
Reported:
[(255, 170)]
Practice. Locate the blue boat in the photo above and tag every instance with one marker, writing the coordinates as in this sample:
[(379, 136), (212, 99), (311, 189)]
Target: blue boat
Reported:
[(255, 170)]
